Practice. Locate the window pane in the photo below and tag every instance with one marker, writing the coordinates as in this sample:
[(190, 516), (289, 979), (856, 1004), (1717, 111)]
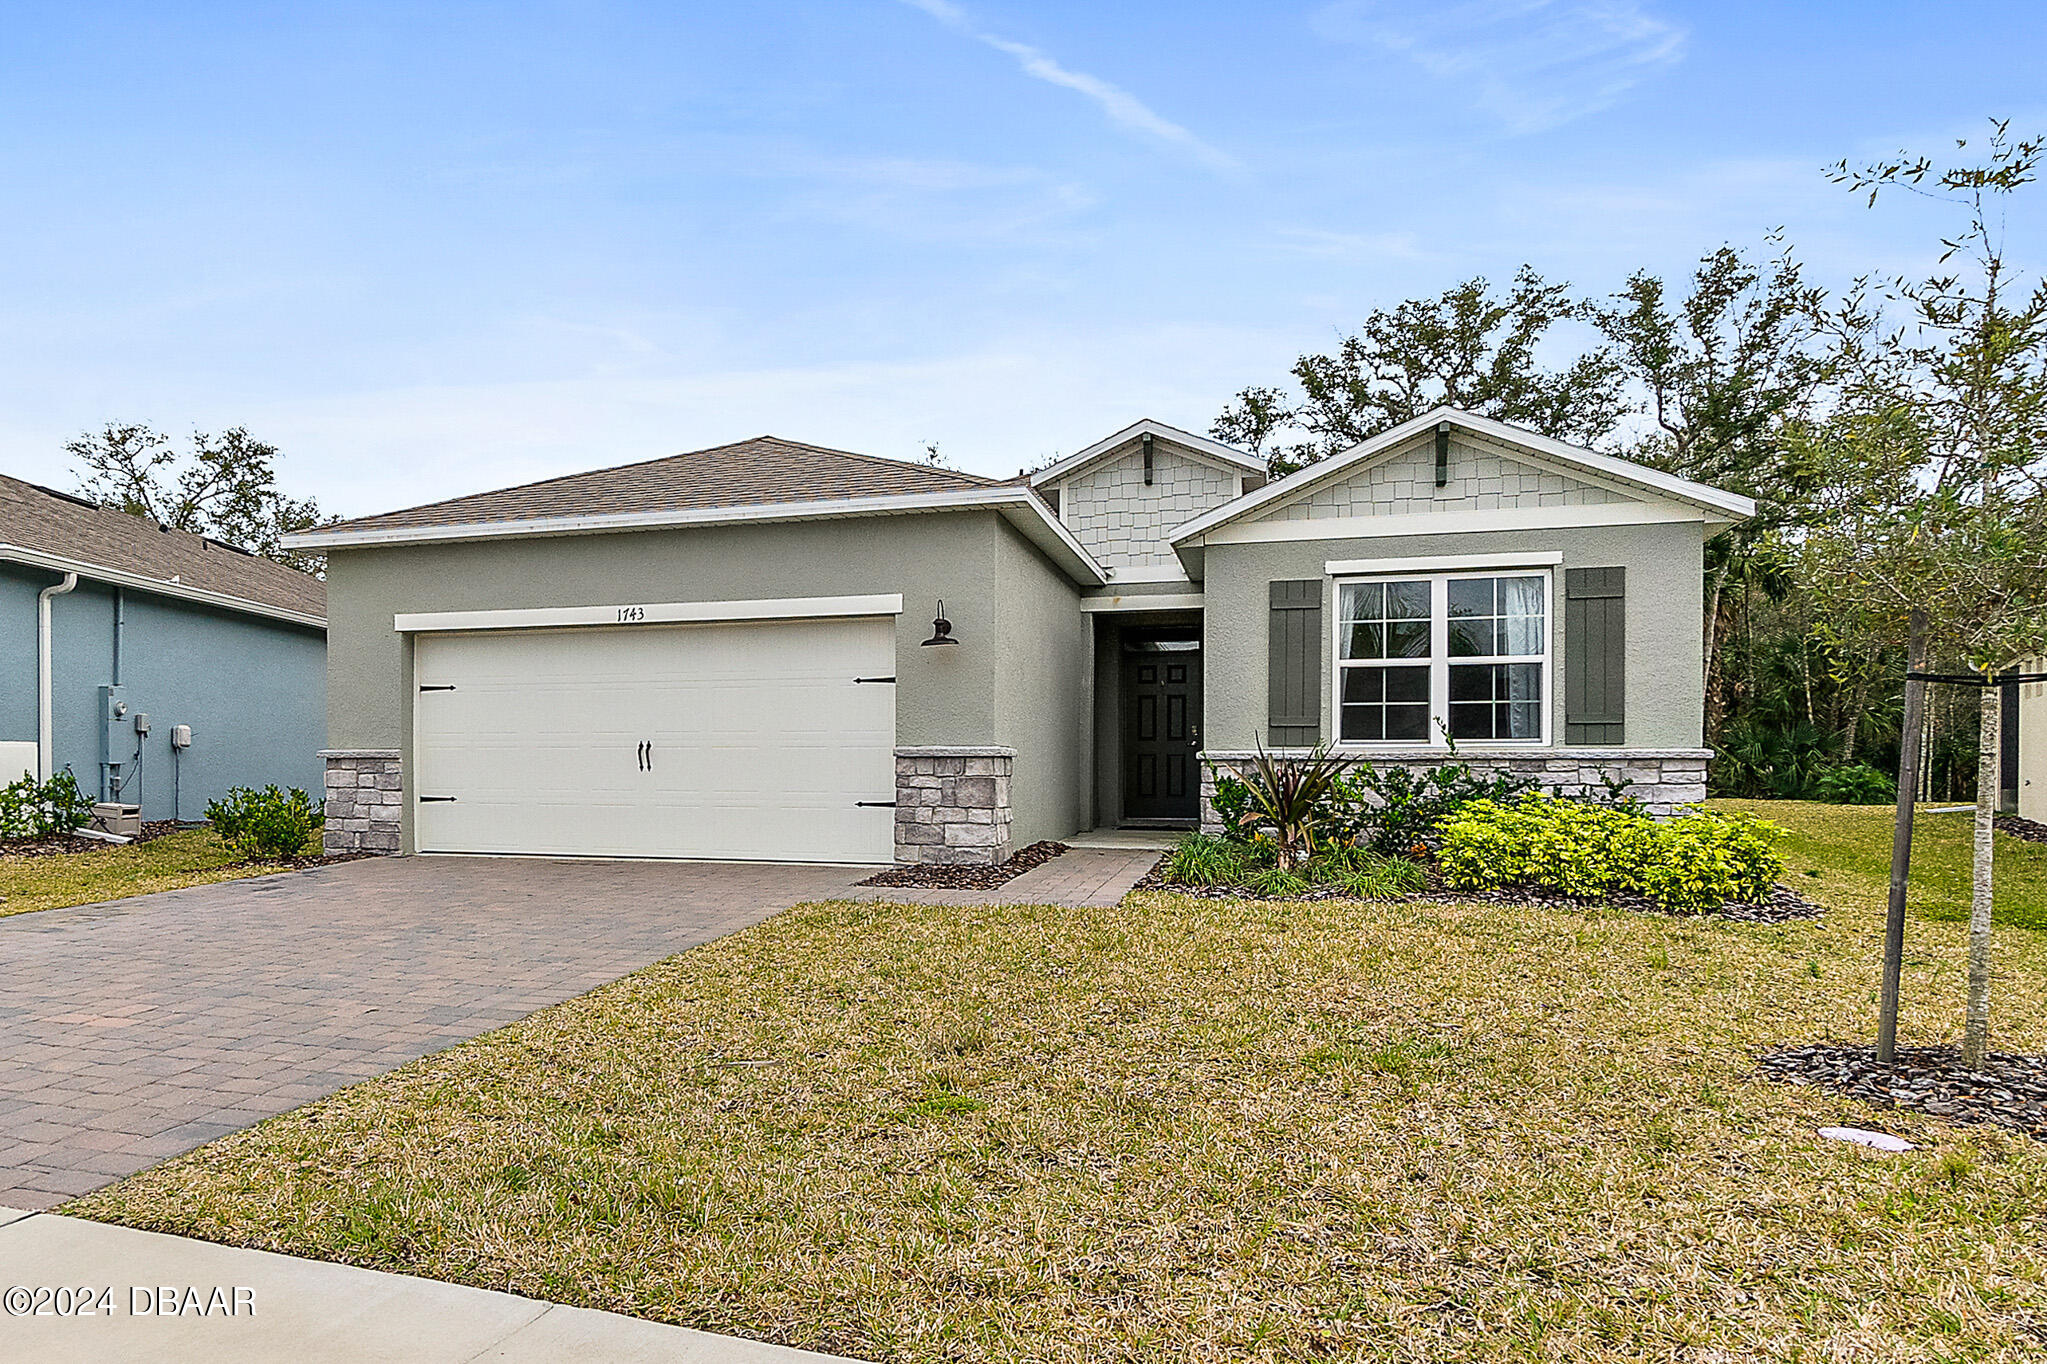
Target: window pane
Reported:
[(1407, 600), (1407, 684), (1469, 683), (1364, 684), (1521, 607), (1367, 640), (1407, 722), (1471, 721), (1472, 638), (1364, 601), (1471, 597), (1524, 720), (1363, 723), (1523, 681), (1407, 639)]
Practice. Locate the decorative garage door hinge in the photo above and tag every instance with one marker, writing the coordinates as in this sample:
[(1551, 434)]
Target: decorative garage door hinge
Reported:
[(874, 679), (430, 800), (437, 686), (874, 805)]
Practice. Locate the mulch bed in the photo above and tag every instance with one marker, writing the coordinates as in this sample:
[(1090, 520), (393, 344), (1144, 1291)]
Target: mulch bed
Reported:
[(2031, 830), (941, 876), (1785, 905), (57, 845), (2010, 1091)]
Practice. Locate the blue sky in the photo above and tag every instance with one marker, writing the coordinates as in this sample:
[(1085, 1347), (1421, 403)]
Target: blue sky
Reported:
[(429, 249)]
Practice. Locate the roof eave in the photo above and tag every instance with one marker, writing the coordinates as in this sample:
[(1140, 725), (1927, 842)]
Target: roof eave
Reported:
[(1203, 445), (115, 577), (1019, 505)]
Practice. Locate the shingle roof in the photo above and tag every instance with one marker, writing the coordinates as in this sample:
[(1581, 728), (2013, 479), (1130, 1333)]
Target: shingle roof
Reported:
[(747, 473), (65, 527)]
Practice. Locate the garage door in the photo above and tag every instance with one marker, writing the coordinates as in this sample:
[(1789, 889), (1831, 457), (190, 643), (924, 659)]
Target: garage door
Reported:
[(740, 741)]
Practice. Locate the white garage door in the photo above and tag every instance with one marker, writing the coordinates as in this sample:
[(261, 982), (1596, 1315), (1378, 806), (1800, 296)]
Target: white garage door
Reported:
[(740, 741)]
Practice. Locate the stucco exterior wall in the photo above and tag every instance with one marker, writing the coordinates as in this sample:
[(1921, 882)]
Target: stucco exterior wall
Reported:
[(1124, 522), (1480, 478), (973, 693), (2033, 744), (253, 691), (1664, 658), (1043, 680)]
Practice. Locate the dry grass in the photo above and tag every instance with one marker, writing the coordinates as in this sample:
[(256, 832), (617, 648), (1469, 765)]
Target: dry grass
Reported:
[(1192, 1129), (109, 871)]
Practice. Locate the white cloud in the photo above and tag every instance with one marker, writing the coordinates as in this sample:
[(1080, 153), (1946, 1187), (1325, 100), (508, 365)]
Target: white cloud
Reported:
[(1532, 64), (1119, 104)]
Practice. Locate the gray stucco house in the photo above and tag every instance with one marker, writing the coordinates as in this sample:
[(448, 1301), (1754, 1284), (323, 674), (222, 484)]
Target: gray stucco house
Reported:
[(160, 667), (733, 653)]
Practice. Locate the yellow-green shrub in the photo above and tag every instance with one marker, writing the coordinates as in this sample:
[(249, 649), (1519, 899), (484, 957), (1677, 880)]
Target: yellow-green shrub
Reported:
[(1694, 863)]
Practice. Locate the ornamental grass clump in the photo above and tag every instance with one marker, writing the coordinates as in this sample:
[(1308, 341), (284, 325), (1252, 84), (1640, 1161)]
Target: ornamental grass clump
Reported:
[(1693, 864)]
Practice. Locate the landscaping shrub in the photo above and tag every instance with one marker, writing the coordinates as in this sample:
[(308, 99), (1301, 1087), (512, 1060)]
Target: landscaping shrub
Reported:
[(266, 823), (1208, 860), (1292, 802), (1232, 798), (1395, 813), (1855, 784), (39, 809), (1694, 863)]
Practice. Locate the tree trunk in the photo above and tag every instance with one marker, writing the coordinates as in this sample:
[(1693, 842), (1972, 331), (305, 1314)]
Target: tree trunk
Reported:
[(1857, 699), (1976, 1031), (1901, 840)]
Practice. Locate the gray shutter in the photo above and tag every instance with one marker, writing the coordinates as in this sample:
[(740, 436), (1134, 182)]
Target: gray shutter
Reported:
[(1595, 652), (1293, 717)]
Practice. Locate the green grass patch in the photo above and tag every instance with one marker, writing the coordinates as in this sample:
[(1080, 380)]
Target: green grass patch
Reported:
[(110, 871), (1837, 852)]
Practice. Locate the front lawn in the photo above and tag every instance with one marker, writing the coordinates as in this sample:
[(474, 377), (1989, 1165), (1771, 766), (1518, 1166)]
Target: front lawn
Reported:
[(1850, 847), (1194, 1129), (110, 871)]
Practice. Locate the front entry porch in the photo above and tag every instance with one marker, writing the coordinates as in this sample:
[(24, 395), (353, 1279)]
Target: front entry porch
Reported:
[(1148, 717)]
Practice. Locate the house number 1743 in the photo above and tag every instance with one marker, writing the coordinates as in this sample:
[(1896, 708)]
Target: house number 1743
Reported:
[(628, 614)]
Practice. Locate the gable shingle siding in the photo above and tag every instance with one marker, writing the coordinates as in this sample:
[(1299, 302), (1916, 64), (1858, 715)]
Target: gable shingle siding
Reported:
[(1123, 522), (1480, 480)]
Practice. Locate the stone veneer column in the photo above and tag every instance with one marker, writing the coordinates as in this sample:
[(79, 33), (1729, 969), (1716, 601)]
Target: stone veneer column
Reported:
[(1664, 779), (952, 804), (365, 800)]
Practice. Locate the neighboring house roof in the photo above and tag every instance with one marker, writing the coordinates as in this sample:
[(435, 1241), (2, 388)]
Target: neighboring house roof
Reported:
[(61, 533), (1214, 449), (1718, 504), (760, 480)]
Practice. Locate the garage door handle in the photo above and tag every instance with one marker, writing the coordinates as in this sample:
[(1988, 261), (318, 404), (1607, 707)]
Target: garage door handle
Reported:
[(431, 800), (437, 686), (874, 805), (874, 679)]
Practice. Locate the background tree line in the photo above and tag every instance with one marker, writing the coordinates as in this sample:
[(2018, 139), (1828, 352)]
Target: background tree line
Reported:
[(1890, 435)]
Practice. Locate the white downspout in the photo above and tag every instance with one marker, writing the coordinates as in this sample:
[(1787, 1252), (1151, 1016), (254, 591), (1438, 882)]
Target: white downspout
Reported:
[(45, 740)]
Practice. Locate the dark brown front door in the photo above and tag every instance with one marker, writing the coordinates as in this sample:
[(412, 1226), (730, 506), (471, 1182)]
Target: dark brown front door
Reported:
[(1162, 731)]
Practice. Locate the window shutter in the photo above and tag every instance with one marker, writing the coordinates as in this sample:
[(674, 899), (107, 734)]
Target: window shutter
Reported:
[(1595, 651), (1293, 716)]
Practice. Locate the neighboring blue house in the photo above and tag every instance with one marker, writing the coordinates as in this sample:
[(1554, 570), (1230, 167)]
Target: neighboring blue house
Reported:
[(161, 667)]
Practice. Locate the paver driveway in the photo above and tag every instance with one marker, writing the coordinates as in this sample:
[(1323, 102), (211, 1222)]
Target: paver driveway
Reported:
[(134, 1030)]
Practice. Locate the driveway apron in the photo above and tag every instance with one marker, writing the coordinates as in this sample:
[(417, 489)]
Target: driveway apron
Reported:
[(137, 1029)]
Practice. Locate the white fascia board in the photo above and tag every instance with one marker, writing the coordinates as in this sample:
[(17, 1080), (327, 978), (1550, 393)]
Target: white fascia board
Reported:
[(1019, 505), (653, 613), (1452, 523), (1443, 563), (1144, 601), (1227, 455), (1733, 505), (1149, 573), (115, 577)]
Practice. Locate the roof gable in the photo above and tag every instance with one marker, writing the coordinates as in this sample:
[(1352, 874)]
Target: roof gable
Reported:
[(1479, 476), (1225, 456), (763, 471), (1635, 481), (64, 533)]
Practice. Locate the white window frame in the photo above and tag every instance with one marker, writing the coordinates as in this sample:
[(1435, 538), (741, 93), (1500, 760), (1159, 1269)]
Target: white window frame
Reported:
[(1439, 662)]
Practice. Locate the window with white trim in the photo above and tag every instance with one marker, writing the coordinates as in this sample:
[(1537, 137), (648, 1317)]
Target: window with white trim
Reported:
[(1463, 654)]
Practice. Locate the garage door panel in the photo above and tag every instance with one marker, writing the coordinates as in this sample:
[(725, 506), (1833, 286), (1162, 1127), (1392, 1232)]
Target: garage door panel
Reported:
[(761, 742)]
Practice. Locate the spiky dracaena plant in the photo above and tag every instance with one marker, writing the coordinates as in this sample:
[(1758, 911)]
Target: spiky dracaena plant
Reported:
[(1291, 799)]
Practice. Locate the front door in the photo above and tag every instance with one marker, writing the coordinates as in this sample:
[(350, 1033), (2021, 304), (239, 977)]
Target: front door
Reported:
[(1161, 730)]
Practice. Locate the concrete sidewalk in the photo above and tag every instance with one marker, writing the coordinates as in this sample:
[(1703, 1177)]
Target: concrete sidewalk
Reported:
[(273, 1307)]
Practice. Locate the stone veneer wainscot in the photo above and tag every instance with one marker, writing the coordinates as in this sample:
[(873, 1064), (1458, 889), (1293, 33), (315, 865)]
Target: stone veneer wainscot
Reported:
[(1663, 778), (365, 800), (952, 804)]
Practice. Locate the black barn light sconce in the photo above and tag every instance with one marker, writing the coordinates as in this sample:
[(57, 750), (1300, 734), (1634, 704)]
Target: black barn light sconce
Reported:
[(941, 628)]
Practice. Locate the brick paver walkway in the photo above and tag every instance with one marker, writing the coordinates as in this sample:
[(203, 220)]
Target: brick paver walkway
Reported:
[(134, 1030)]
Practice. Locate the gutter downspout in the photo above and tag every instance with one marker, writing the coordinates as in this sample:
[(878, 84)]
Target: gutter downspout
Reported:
[(45, 740)]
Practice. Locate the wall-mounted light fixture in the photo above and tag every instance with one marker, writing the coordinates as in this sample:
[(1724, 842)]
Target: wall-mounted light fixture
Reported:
[(941, 628)]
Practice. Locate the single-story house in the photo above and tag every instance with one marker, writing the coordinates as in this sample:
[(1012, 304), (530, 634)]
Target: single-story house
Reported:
[(775, 650), (160, 667), (2023, 762)]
